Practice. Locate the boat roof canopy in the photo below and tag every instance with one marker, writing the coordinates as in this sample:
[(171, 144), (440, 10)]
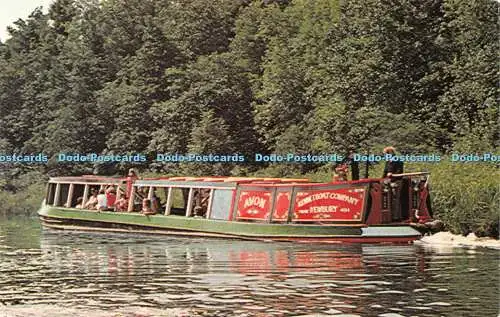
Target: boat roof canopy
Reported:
[(200, 182), (221, 182)]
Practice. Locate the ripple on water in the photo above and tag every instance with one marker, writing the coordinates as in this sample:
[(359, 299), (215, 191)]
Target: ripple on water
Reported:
[(391, 292), (418, 308), (80, 290), (417, 290), (315, 315), (11, 292), (438, 304), (343, 306)]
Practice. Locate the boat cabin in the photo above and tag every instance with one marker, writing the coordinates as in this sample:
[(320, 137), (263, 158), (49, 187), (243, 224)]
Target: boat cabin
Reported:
[(402, 198)]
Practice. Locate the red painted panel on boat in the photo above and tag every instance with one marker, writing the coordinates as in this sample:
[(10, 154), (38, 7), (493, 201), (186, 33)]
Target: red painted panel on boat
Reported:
[(253, 204), (375, 215), (343, 204), (423, 211), (280, 212)]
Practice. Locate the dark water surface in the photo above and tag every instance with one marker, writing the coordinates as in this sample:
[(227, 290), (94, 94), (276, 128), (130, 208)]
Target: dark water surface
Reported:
[(95, 272)]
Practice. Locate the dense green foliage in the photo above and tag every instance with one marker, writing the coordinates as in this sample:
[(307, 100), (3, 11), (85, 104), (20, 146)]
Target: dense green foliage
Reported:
[(25, 195), (242, 76), (466, 197)]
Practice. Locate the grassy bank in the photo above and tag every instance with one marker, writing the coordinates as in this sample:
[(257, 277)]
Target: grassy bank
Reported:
[(25, 194), (465, 196)]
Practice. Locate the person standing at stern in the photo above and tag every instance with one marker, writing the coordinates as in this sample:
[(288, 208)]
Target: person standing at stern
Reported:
[(392, 166)]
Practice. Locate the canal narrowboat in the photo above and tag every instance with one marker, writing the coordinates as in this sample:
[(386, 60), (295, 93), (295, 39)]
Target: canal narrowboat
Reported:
[(369, 210)]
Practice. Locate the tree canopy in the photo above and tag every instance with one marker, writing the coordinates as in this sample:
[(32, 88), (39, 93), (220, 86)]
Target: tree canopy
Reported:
[(226, 76)]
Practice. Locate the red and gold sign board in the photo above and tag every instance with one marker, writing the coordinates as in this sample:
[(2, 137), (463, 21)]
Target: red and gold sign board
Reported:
[(345, 204), (254, 205), (280, 212)]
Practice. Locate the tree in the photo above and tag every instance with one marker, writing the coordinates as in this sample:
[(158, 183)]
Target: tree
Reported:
[(386, 54), (210, 136), (200, 27), (470, 33), (215, 84), (294, 68)]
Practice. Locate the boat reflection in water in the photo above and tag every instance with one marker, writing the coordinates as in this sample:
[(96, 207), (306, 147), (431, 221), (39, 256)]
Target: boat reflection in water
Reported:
[(123, 253), (225, 275), (116, 253)]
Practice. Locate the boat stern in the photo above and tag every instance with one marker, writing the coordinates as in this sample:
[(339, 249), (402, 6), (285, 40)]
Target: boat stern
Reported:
[(401, 234)]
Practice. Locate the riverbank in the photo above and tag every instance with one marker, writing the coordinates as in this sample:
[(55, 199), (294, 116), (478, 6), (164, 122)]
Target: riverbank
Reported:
[(24, 195), (447, 239)]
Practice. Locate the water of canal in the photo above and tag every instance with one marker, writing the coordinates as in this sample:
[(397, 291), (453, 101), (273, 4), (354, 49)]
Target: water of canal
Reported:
[(59, 273)]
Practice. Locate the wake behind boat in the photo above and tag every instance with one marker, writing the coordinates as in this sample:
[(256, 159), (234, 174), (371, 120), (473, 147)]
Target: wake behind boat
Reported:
[(371, 210)]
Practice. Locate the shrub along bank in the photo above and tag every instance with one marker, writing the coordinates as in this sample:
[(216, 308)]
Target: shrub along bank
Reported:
[(466, 197), (22, 195)]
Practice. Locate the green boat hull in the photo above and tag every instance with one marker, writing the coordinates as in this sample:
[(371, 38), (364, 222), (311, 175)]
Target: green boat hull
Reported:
[(70, 218)]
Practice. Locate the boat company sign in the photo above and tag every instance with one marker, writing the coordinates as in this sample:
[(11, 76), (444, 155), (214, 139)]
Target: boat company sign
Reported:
[(280, 212), (254, 204), (344, 204)]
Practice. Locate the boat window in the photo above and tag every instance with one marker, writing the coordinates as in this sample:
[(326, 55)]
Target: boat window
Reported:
[(157, 201), (88, 203), (161, 193), (201, 199), (63, 195), (221, 204), (51, 190), (179, 201), (78, 190), (191, 202), (145, 195), (141, 193)]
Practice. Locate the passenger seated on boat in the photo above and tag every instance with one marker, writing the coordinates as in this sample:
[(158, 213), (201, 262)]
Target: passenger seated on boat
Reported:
[(198, 211), (92, 203), (121, 204), (110, 197), (102, 203), (341, 173), (79, 203), (201, 199), (146, 207), (139, 197), (131, 177), (142, 192), (155, 202)]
